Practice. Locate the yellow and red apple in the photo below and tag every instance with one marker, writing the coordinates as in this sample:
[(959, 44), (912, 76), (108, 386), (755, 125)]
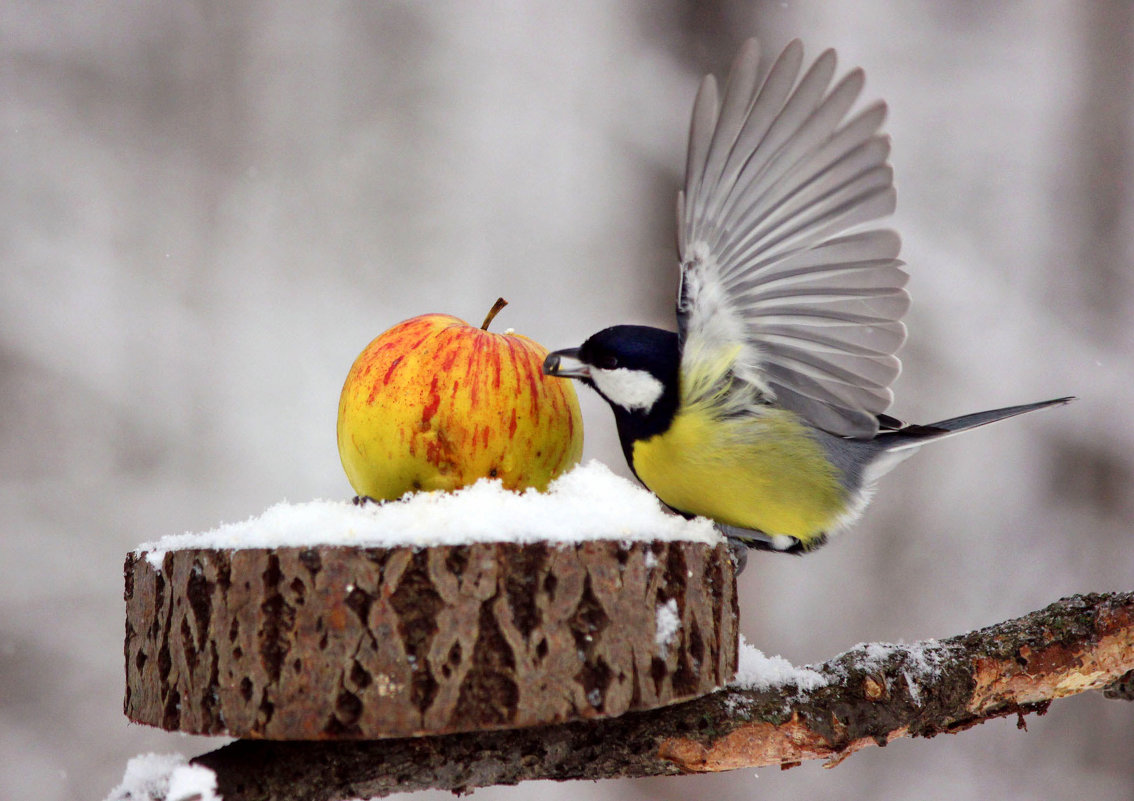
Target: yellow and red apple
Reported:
[(435, 404)]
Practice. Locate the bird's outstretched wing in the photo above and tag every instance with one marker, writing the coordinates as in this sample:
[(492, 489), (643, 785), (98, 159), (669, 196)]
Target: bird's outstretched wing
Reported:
[(772, 290)]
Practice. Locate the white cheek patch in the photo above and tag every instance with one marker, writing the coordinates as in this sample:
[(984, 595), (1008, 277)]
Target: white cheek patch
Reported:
[(631, 389)]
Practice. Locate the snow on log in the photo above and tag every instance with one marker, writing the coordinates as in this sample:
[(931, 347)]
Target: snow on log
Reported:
[(329, 642)]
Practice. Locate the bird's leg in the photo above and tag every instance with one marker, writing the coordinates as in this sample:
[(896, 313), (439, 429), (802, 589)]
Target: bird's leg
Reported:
[(739, 553)]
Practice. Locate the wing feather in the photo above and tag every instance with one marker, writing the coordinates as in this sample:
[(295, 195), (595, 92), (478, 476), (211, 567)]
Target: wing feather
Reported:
[(809, 316), (763, 179), (761, 112), (701, 129)]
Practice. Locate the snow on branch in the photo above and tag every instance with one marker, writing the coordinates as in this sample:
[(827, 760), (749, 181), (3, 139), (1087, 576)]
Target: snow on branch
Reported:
[(869, 695)]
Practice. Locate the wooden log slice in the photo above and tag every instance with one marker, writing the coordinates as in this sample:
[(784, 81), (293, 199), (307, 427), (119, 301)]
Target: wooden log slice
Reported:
[(338, 642)]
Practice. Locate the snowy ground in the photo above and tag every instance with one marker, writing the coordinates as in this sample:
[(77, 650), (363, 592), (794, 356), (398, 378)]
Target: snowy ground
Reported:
[(209, 209)]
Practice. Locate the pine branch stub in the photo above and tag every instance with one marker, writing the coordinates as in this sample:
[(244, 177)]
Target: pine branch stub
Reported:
[(1017, 667)]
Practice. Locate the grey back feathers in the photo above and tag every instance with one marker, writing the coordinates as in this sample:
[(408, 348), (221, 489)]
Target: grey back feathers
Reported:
[(775, 175)]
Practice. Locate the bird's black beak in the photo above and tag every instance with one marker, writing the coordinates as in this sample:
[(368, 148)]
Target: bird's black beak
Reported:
[(565, 364)]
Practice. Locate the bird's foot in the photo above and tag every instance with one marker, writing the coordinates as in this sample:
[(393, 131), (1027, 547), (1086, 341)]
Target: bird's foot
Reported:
[(739, 553)]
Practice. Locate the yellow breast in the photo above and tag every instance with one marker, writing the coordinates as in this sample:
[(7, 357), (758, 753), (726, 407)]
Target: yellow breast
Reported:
[(763, 473)]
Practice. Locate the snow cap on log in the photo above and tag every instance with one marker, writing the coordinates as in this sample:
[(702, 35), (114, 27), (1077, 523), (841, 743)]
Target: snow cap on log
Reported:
[(587, 503)]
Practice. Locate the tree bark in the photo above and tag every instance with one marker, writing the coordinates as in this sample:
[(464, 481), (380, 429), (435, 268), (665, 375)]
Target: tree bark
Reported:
[(364, 643), (872, 695)]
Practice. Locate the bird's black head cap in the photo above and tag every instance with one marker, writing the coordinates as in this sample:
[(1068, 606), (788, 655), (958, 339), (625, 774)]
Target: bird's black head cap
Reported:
[(634, 347), (636, 370)]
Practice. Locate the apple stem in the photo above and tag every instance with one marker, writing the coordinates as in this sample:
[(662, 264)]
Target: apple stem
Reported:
[(495, 310)]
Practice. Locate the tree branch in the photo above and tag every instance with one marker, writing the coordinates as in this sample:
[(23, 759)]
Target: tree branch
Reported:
[(870, 695)]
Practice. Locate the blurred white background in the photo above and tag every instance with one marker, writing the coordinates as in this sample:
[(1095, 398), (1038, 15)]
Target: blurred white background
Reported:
[(207, 209)]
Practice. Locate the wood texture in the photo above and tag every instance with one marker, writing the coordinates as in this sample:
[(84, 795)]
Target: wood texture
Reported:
[(872, 697), (341, 643)]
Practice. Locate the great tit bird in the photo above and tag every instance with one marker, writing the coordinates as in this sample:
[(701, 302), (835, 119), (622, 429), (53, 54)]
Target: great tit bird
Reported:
[(765, 410)]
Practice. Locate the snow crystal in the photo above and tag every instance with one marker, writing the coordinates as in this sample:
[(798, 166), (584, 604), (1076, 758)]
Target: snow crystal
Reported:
[(192, 783), (754, 671), (165, 777), (668, 623), (587, 503), (920, 661)]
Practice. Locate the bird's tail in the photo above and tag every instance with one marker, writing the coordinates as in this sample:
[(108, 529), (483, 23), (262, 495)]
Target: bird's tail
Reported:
[(915, 436)]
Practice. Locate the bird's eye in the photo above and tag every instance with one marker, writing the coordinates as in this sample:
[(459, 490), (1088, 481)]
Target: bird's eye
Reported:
[(608, 362)]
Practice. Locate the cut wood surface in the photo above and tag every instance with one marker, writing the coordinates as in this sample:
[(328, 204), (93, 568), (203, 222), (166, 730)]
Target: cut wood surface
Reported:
[(871, 696), (352, 643)]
